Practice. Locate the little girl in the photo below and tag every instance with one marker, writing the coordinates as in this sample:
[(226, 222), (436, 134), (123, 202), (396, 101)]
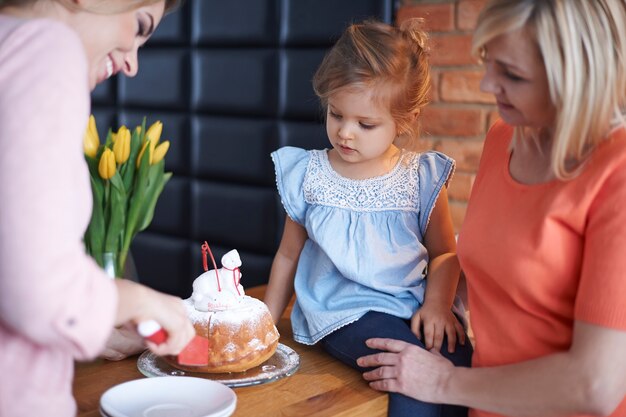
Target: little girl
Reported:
[(368, 228)]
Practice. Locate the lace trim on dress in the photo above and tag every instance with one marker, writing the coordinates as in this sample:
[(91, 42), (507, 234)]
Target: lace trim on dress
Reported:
[(396, 190)]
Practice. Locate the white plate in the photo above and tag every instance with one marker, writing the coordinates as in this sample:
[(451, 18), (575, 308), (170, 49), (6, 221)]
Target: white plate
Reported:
[(168, 396)]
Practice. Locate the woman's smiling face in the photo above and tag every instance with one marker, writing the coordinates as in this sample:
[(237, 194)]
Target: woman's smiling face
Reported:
[(113, 39), (515, 74)]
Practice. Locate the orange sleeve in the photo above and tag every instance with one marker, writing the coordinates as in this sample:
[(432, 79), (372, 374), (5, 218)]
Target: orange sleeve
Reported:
[(602, 289)]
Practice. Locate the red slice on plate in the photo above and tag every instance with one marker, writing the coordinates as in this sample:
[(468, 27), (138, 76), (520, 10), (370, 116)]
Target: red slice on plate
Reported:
[(196, 353)]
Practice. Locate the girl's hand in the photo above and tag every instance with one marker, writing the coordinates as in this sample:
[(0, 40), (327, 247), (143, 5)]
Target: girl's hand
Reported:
[(407, 369), (437, 321)]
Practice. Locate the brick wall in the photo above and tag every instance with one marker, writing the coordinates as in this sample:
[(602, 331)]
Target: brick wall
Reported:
[(459, 115)]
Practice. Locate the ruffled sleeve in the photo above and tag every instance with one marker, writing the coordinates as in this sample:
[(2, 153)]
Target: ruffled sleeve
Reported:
[(290, 165), (434, 171)]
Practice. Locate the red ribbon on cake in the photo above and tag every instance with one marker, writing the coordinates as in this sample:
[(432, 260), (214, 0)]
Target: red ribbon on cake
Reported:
[(206, 249)]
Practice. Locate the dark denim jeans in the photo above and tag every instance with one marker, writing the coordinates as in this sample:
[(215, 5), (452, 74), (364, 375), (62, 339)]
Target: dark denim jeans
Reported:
[(348, 344)]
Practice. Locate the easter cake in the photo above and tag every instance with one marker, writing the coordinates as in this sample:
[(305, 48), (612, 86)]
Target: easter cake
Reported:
[(240, 331)]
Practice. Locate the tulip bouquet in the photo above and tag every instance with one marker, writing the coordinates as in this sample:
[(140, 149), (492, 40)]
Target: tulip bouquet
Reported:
[(127, 174)]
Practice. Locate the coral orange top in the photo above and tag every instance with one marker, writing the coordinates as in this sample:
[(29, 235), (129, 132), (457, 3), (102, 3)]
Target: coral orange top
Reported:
[(539, 257)]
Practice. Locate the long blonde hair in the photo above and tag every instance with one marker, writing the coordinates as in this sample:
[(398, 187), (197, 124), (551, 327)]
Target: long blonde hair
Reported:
[(388, 59), (583, 46)]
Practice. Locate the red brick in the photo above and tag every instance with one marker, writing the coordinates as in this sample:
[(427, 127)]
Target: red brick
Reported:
[(463, 87), (423, 144), (467, 13), (451, 49), (461, 185), (437, 17), (441, 120), (466, 152), (434, 86), (492, 117)]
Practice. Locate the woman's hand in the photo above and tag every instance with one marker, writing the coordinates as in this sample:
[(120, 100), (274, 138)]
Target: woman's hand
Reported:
[(138, 303), (437, 321), (123, 342), (407, 369)]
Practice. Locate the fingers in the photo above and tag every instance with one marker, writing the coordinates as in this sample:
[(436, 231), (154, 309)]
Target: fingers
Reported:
[(377, 359), (451, 335), (175, 342), (460, 331), (391, 345), (123, 342), (113, 355), (383, 372), (435, 329), (389, 357), (387, 385), (382, 379), (171, 315), (455, 333), (416, 325), (437, 338)]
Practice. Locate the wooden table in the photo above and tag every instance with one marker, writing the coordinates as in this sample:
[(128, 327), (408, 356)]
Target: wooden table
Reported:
[(321, 387)]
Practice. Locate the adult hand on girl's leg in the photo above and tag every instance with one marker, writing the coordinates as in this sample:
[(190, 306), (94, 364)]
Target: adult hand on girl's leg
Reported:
[(407, 369)]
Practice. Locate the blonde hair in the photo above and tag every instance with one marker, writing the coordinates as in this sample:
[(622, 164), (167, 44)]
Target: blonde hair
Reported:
[(388, 59), (583, 46)]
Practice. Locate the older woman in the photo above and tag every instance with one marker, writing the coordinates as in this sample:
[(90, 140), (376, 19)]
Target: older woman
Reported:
[(544, 238)]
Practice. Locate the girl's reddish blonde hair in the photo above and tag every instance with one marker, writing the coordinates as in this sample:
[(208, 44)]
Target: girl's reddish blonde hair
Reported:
[(391, 60)]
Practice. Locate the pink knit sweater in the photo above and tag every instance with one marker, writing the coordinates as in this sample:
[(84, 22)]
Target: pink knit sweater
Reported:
[(56, 305)]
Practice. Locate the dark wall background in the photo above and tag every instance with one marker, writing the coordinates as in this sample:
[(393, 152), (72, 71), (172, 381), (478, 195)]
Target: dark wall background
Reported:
[(231, 82)]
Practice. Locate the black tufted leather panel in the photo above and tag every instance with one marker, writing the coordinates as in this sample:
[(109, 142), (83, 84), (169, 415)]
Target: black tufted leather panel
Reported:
[(231, 82)]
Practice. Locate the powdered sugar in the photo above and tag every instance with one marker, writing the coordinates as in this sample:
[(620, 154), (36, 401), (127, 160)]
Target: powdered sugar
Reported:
[(247, 310)]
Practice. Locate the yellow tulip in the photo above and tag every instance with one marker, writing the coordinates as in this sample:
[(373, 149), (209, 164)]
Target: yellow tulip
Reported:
[(159, 152), (106, 167), (154, 133), (91, 140), (121, 147), (141, 152)]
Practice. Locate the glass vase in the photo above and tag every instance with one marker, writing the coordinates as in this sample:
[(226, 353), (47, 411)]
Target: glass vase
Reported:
[(119, 265)]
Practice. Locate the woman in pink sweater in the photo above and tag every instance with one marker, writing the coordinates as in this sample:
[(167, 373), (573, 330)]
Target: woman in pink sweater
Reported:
[(56, 304)]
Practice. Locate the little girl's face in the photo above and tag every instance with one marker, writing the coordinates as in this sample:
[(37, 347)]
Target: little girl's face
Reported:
[(359, 127)]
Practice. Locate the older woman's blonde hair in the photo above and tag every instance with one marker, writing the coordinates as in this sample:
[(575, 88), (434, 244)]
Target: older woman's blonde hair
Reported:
[(583, 46)]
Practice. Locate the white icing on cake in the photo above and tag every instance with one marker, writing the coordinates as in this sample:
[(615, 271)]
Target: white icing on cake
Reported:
[(248, 309), (219, 290)]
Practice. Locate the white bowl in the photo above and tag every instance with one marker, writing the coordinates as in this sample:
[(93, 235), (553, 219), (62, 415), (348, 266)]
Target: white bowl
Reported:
[(168, 396)]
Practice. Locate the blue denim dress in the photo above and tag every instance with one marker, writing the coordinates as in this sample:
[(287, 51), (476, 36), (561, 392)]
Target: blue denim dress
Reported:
[(364, 250)]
